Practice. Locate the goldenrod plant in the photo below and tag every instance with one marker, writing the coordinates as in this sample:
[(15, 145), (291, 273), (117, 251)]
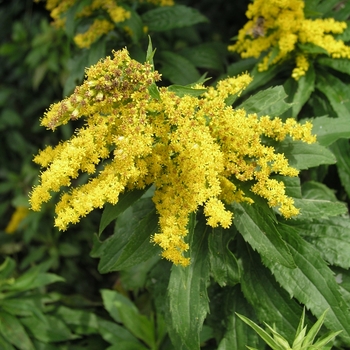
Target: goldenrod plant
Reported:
[(175, 184)]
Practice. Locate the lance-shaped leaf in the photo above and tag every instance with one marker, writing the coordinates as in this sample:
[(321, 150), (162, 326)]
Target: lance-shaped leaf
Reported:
[(170, 17), (330, 236), (224, 265), (312, 283), (271, 303), (187, 290), (237, 334), (267, 102), (301, 155), (337, 93), (130, 244), (299, 91), (341, 150), (256, 225), (111, 212), (329, 130)]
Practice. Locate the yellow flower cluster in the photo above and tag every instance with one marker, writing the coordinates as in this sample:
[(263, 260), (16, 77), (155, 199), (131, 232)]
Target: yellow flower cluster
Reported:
[(195, 150), (114, 9), (279, 27)]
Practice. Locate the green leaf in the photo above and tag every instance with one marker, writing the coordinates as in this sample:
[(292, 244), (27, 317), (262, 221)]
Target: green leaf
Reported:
[(5, 345), (330, 236), (130, 244), (111, 212), (207, 55), (112, 333), (271, 303), (133, 25), (170, 17), (237, 333), (178, 69), (262, 78), (329, 130), (267, 102), (241, 66), (341, 150), (7, 268), (301, 155), (223, 263), (110, 297), (256, 225), (187, 290), (50, 330), (312, 49), (86, 321), (339, 64), (12, 330), (337, 93), (186, 90), (299, 91), (27, 306), (312, 282), (263, 334), (139, 325), (150, 52), (154, 92), (127, 345)]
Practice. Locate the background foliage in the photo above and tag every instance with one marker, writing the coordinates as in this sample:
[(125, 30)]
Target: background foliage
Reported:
[(101, 284)]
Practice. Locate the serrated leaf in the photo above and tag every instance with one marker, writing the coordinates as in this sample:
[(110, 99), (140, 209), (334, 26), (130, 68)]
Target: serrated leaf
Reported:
[(272, 303), (329, 130), (267, 102), (337, 93), (255, 224), (312, 282), (169, 17), (318, 208), (330, 236), (13, 331), (111, 212), (341, 150), (223, 263), (301, 155), (178, 69), (187, 290)]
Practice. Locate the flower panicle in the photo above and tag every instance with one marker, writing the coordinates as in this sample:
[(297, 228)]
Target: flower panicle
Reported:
[(196, 150)]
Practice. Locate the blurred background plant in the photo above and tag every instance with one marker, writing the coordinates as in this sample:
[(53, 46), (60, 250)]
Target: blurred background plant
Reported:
[(54, 295)]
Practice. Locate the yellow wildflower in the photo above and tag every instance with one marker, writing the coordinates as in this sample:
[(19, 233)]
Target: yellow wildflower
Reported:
[(279, 27), (195, 150)]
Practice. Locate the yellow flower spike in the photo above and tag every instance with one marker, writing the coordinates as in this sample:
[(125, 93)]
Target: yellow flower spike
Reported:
[(195, 150), (282, 25)]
